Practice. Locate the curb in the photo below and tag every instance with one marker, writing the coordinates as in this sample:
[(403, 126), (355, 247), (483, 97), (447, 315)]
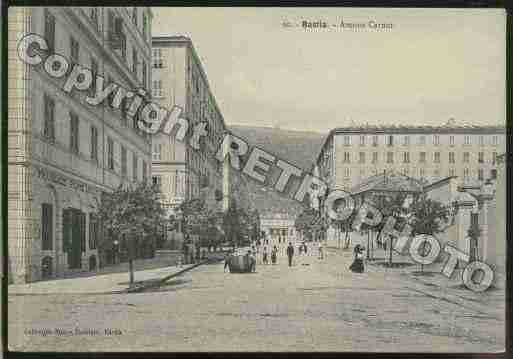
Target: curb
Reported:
[(157, 283)]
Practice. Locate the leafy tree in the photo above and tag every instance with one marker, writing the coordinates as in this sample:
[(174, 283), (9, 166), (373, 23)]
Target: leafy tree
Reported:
[(232, 224), (427, 216), (305, 222), (390, 205), (134, 217)]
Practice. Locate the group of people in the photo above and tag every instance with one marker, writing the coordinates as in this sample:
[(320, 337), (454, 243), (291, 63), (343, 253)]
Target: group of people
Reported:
[(357, 266), (274, 255)]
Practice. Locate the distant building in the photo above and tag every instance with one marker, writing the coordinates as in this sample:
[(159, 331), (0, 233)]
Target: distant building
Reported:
[(352, 154), (63, 153), (279, 224), (182, 172)]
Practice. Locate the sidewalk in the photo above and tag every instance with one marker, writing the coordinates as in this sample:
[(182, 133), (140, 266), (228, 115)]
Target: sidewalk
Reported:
[(100, 284), (433, 283)]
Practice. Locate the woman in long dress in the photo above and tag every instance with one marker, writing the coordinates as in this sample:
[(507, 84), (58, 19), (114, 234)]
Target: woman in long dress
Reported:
[(357, 266), (274, 255), (264, 256)]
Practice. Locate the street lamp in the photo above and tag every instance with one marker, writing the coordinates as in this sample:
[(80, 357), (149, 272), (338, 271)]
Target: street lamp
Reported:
[(116, 243), (481, 194)]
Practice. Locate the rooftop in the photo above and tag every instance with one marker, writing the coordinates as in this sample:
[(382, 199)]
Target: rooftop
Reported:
[(388, 182), (446, 128)]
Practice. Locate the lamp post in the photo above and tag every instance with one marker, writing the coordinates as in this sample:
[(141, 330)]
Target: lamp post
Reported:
[(481, 194), (116, 249)]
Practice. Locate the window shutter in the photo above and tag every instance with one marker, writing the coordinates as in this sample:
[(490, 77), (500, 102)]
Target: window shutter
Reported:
[(47, 229), (82, 231), (66, 230)]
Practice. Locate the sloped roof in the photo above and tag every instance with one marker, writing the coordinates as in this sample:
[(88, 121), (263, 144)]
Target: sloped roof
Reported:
[(388, 182)]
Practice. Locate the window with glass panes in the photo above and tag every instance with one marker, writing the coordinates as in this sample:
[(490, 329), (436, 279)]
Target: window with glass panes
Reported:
[(135, 169), (123, 161), (94, 231), (94, 143), (49, 31), (74, 51), (49, 118), (46, 226), (110, 154), (74, 133)]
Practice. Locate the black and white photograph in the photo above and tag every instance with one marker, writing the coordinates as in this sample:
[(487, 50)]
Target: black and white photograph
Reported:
[(256, 179)]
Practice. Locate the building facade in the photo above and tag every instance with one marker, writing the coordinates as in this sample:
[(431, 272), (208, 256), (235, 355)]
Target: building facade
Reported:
[(182, 172), (351, 154), (63, 153), (279, 224)]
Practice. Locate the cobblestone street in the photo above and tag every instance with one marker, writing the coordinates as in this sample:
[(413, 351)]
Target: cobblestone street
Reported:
[(313, 306)]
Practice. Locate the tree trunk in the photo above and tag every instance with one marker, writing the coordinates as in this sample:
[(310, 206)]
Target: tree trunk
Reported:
[(368, 244), (347, 239), (131, 270), (390, 253), (372, 244)]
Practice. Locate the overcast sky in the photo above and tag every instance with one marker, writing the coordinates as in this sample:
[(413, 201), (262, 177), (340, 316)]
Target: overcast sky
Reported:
[(432, 65)]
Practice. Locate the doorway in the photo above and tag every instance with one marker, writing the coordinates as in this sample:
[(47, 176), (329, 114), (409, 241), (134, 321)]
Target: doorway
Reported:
[(73, 224)]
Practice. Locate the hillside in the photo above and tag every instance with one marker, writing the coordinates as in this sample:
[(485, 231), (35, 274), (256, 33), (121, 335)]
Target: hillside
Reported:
[(297, 147)]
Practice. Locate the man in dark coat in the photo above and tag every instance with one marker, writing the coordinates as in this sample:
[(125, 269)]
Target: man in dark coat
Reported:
[(290, 253)]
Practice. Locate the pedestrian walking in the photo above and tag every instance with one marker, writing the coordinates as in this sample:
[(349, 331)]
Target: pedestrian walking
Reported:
[(274, 255), (264, 256), (321, 254), (290, 253), (305, 249), (227, 260), (357, 266), (300, 249), (185, 249)]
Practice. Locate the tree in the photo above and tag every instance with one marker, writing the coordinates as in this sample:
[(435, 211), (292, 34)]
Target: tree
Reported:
[(231, 224), (427, 216), (134, 217), (305, 222), (390, 205)]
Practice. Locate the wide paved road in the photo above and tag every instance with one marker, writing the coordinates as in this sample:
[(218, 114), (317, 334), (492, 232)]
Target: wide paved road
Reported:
[(316, 307)]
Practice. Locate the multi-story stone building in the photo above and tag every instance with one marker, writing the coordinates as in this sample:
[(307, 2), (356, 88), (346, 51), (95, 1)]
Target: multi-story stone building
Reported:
[(351, 154), (179, 79), (63, 153), (279, 224)]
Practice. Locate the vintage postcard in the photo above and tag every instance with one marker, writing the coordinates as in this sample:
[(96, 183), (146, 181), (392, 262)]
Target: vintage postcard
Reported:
[(256, 179)]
